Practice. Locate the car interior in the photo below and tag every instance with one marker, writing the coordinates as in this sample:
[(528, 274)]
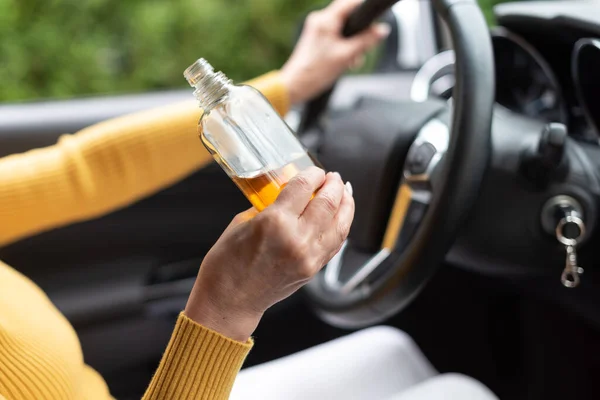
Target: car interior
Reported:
[(474, 154)]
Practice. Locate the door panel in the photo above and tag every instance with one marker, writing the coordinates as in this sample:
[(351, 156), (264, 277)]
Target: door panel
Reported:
[(129, 253), (30, 125)]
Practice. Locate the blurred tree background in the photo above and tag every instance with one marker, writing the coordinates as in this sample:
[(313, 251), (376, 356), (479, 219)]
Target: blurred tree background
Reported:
[(66, 48)]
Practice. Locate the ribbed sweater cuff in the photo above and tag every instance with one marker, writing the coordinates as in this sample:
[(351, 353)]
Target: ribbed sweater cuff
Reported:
[(198, 364)]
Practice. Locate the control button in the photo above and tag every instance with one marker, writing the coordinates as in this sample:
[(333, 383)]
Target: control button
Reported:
[(551, 147), (547, 162), (419, 158)]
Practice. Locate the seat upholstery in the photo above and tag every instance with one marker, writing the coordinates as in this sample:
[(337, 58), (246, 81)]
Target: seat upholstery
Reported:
[(447, 387), (380, 363), (374, 363)]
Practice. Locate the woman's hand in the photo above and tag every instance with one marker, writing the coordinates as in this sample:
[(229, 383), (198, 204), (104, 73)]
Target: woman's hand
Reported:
[(323, 54), (263, 258)]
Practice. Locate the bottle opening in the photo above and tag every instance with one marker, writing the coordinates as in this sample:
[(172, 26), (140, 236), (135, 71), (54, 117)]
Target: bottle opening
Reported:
[(211, 87), (194, 73)]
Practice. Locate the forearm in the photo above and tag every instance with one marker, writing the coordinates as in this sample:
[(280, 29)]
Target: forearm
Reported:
[(97, 170), (198, 364), (106, 166)]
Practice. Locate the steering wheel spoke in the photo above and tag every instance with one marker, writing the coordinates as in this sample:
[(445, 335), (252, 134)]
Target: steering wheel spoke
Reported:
[(332, 271), (418, 185), (425, 154), (408, 212), (410, 205)]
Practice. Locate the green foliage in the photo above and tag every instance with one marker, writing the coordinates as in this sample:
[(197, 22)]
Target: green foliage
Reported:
[(60, 48), (65, 48), (487, 6)]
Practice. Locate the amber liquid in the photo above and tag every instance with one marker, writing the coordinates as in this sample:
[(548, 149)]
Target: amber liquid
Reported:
[(262, 188)]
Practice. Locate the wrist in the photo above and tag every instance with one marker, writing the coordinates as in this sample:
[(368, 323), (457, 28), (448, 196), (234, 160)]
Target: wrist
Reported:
[(233, 322), (288, 78)]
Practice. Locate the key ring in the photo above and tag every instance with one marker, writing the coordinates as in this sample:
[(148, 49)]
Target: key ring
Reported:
[(569, 219)]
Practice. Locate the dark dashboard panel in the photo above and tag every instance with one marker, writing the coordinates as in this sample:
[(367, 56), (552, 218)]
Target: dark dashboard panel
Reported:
[(525, 82), (504, 236), (553, 28), (579, 15), (533, 61)]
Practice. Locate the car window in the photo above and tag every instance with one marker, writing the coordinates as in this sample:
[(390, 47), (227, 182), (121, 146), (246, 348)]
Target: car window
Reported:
[(64, 48)]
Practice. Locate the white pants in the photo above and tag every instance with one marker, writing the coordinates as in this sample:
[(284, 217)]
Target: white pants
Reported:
[(380, 363)]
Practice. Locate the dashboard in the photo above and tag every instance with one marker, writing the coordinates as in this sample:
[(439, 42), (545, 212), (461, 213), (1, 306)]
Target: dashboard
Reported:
[(547, 60), (525, 82), (547, 69)]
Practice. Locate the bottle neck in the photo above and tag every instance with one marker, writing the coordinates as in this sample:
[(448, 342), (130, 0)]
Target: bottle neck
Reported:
[(211, 87)]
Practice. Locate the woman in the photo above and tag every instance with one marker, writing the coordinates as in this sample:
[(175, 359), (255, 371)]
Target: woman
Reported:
[(256, 263)]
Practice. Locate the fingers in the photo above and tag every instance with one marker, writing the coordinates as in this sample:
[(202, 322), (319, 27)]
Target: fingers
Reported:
[(345, 215), (299, 190), (342, 222), (323, 208), (361, 42), (380, 30)]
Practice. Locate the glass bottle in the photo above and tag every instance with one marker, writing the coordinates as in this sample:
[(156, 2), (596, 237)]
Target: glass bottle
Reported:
[(245, 135)]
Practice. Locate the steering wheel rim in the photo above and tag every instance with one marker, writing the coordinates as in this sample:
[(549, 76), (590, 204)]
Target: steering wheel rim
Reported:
[(463, 163)]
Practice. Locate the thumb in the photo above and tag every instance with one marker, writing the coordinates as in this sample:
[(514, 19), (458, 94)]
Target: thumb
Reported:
[(361, 42)]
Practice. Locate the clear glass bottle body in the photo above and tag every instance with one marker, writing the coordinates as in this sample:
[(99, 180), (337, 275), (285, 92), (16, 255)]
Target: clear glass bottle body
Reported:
[(248, 139)]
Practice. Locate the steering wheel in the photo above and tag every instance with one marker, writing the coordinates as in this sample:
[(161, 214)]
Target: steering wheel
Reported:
[(445, 160)]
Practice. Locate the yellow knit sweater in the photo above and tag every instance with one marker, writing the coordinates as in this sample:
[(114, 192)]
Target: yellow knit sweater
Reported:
[(100, 169)]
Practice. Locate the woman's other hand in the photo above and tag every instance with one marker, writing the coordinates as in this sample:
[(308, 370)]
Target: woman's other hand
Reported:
[(263, 258), (322, 54)]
